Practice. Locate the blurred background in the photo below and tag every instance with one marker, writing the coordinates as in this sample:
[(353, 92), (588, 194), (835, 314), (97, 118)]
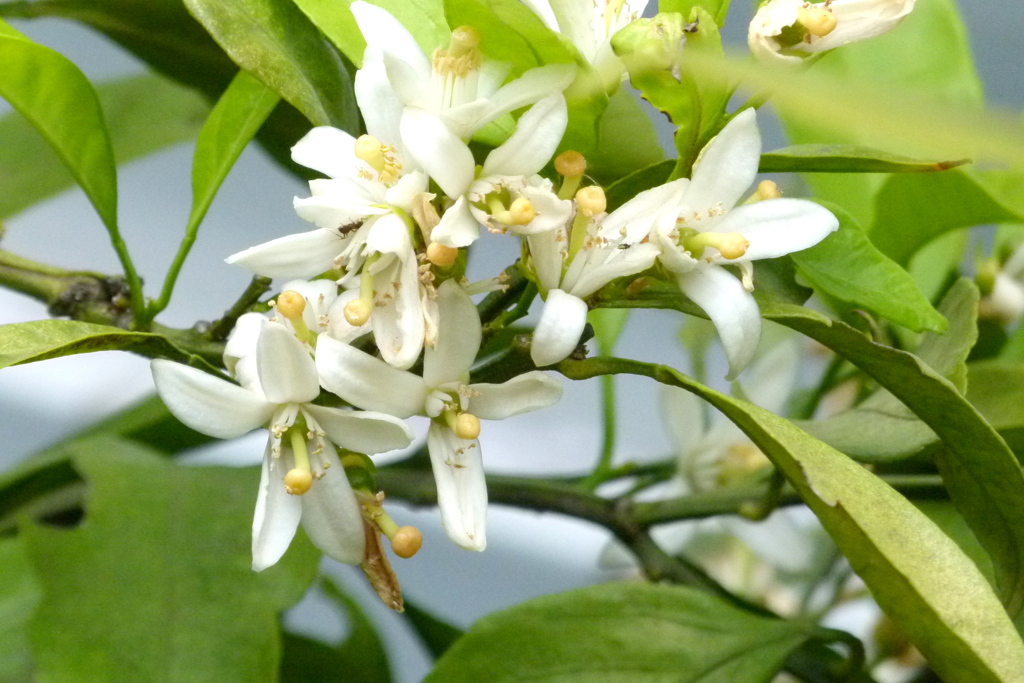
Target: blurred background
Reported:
[(528, 554)]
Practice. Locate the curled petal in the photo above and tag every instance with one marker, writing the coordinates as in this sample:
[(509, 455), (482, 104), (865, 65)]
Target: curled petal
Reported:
[(286, 370), (303, 255), (533, 143), (726, 166), (458, 337), (276, 518), (458, 227), (461, 488), (331, 514), (560, 327), (398, 325), (385, 33), (367, 382), (328, 150), (439, 151), (362, 431), (518, 395), (208, 404)]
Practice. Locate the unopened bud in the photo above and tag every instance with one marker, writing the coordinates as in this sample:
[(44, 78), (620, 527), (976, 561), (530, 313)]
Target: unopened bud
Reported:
[(291, 304), (818, 21), (733, 245), (521, 211), (570, 164), (467, 426), (441, 255), (649, 45), (407, 541), (767, 189), (357, 312), (297, 481), (591, 200)]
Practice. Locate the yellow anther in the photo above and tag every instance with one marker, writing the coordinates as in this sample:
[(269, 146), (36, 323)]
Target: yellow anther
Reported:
[(440, 255), (407, 541), (733, 245), (818, 21), (591, 200), (357, 312), (467, 426), (521, 212), (291, 304), (766, 189), (570, 164), (298, 481)]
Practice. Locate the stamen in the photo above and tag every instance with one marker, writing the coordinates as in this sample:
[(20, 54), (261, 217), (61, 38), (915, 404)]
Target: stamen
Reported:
[(379, 157), (766, 189), (298, 480)]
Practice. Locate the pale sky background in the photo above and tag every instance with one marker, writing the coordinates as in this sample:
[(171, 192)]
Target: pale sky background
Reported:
[(528, 554)]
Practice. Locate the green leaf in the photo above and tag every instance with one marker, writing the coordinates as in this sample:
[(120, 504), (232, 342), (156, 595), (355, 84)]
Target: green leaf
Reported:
[(19, 595), (917, 574), (626, 139), (912, 210), (996, 389), (717, 8), (847, 266), (846, 159), (164, 551), (981, 474), (274, 41), (622, 632), (437, 635), (44, 339), (144, 114), (58, 100), (361, 655)]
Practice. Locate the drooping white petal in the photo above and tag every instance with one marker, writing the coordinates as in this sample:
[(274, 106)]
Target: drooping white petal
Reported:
[(731, 308), (769, 21), (636, 217), (776, 539), (560, 327), (276, 518), (287, 373), (328, 150), (439, 151), (331, 514), (552, 212), (521, 394), (303, 255), (726, 166), (208, 404), (360, 430), (367, 382), (398, 325), (461, 487), (458, 337), (458, 227), (683, 418), (533, 143), (776, 227), (546, 251), (385, 33)]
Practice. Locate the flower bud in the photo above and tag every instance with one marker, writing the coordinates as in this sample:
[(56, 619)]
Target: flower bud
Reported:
[(441, 255), (298, 481), (591, 200), (649, 45), (407, 541)]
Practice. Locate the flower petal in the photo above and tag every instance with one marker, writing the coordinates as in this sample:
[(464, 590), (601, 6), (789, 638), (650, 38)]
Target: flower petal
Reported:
[(276, 518), (286, 370), (361, 431), (771, 379), (560, 327), (208, 404), (303, 255), (458, 227), (731, 308), (601, 267), (776, 227), (377, 100), (518, 395), (859, 20), (637, 216), (242, 340), (327, 150), (440, 152), (331, 514), (726, 166), (367, 382), (461, 488), (547, 252), (458, 337), (533, 143), (683, 418), (382, 31)]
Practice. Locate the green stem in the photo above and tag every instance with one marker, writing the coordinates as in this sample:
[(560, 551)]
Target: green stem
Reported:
[(155, 307), (138, 301), (220, 329)]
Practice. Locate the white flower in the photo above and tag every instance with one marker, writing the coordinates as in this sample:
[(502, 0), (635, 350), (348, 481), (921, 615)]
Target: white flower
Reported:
[(300, 453), (1005, 300), (509, 193), (787, 30), (444, 395), (699, 231), (590, 25), (443, 99), (361, 211)]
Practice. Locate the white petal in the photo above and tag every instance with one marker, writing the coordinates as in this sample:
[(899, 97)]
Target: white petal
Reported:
[(437, 150), (518, 395), (276, 519), (542, 8), (559, 330), (770, 381), (533, 144), (776, 227), (332, 212), (726, 166), (411, 86), (242, 340), (385, 33), (859, 20), (731, 308), (683, 418), (777, 539), (461, 487), (458, 227), (367, 382), (286, 370), (331, 514), (547, 255), (361, 431), (328, 150), (622, 262), (389, 235), (398, 326), (637, 216), (303, 255), (208, 404), (458, 337), (378, 103), (403, 193), (552, 212), (769, 21)]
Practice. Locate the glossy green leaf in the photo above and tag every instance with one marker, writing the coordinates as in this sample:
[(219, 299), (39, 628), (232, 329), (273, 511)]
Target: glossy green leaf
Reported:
[(60, 103), (274, 41), (436, 635), (917, 574), (846, 159), (622, 632), (44, 339), (626, 139), (164, 550), (847, 266), (912, 210), (19, 595), (144, 115), (996, 389)]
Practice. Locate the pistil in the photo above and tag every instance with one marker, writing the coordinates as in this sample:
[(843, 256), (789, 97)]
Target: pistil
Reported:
[(299, 479), (731, 245)]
